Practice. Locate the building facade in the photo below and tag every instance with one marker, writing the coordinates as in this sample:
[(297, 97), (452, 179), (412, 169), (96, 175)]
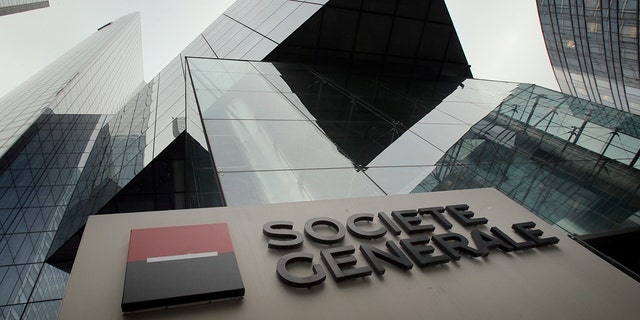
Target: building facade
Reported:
[(50, 124), (286, 101), (16, 6), (593, 48)]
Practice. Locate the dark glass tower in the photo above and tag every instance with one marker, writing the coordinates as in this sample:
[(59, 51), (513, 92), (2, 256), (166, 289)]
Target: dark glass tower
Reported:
[(593, 48)]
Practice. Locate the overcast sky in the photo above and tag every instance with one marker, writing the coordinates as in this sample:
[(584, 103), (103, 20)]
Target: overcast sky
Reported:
[(501, 38)]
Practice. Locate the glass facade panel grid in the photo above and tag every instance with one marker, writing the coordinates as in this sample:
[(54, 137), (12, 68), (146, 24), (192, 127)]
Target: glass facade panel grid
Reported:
[(274, 14), (284, 132), (260, 50), (592, 46), (57, 84), (226, 36), (17, 283), (543, 168), (51, 284), (199, 47), (399, 179), (231, 82), (251, 145), (464, 112), (170, 113), (259, 11), (292, 22), (217, 29), (221, 66), (260, 187), (22, 248), (12, 312), (246, 105), (43, 310), (408, 150), (248, 43), (434, 134), (165, 136), (226, 48)]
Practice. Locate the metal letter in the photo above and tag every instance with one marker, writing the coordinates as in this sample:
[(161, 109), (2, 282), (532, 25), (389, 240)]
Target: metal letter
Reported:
[(517, 246), (391, 226), (485, 242), (452, 243), (332, 223), (460, 213), (282, 230), (524, 229), (394, 257), (410, 222), (336, 258), (436, 213), (357, 232), (299, 282), (418, 249)]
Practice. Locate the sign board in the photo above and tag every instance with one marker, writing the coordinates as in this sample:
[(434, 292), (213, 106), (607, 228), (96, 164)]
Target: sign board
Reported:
[(452, 255), (177, 265)]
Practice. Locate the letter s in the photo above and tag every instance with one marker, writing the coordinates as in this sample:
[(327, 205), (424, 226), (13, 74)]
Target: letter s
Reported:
[(282, 230)]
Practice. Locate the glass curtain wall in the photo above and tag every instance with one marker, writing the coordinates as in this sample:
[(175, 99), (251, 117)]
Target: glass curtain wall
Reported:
[(593, 48), (50, 126), (266, 145), (283, 132), (568, 160)]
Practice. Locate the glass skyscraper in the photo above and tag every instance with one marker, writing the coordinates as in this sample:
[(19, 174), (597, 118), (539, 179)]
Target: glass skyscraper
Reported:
[(281, 101), (593, 48), (49, 127)]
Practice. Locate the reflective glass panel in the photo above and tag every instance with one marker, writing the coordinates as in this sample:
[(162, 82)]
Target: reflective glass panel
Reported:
[(268, 145), (230, 81), (408, 150), (399, 180), (225, 66), (245, 188), (246, 105)]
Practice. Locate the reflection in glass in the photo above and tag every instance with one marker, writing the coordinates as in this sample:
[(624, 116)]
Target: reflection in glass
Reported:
[(362, 114), (567, 160), (260, 187), (230, 81), (563, 158), (247, 145), (246, 105)]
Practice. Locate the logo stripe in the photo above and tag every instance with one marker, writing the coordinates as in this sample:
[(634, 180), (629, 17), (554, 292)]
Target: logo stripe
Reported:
[(183, 256)]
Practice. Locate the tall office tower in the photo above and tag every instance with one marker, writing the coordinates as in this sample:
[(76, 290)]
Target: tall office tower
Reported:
[(49, 126), (593, 48), (283, 101), (15, 6), (250, 30)]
